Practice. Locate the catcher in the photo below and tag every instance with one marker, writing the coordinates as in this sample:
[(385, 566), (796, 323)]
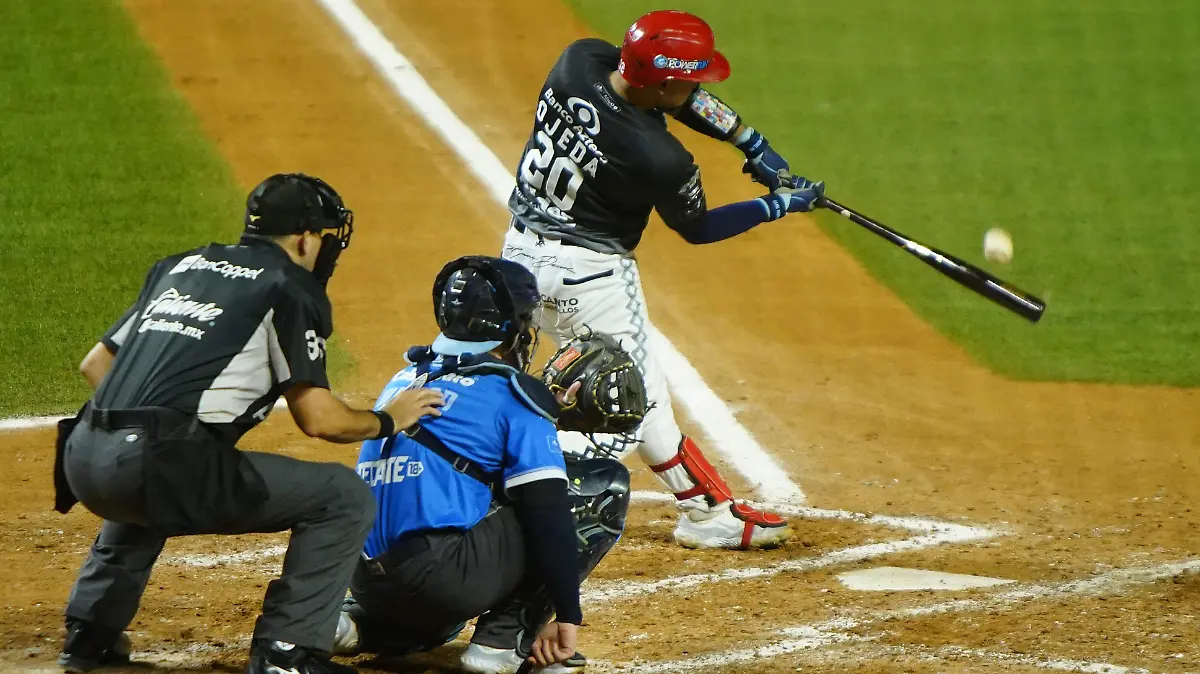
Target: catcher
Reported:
[(478, 513)]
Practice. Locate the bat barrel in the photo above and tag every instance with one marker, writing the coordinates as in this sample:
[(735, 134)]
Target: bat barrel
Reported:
[(964, 273)]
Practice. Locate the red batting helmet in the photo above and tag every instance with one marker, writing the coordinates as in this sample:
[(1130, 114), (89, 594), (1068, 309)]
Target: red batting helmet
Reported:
[(670, 45)]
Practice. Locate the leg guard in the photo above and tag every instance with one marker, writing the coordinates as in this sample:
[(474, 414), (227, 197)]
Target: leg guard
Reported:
[(598, 490), (689, 475), (599, 493)]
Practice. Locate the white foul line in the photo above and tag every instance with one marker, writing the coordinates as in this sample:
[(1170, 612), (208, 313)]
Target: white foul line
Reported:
[(730, 438)]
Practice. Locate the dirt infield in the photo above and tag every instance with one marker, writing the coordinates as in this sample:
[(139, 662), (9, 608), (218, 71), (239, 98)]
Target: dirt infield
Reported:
[(1083, 495)]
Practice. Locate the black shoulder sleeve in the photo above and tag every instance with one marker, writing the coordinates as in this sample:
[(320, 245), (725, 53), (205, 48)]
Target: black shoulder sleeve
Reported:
[(705, 113), (301, 324), (117, 334)]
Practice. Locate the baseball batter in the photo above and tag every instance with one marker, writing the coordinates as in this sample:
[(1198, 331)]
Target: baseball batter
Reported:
[(599, 160)]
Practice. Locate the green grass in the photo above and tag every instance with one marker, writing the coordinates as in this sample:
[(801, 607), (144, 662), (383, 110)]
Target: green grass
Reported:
[(102, 170), (1074, 124)]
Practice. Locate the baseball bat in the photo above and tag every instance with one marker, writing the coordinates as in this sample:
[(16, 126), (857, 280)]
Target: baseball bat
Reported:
[(964, 273)]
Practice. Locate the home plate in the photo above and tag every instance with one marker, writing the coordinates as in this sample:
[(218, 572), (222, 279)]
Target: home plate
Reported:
[(898, 579)]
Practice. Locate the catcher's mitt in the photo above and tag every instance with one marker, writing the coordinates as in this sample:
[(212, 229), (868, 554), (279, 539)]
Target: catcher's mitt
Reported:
[(612, 397)]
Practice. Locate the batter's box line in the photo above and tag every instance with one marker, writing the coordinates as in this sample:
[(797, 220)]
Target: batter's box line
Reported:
[(814, 642), (936, 533), (918, 524)]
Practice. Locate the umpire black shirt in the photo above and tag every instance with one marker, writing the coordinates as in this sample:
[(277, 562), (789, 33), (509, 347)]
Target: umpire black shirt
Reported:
[(219, 332)]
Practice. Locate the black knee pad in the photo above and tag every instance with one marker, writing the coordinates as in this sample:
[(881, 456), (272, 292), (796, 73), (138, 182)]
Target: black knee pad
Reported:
[(598, 489)]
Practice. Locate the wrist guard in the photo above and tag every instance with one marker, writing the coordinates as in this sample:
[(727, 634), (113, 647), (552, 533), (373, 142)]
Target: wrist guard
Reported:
[(387, 426)]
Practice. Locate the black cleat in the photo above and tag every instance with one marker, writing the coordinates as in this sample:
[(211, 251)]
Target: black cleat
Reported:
[(280, 657), (90, 646)]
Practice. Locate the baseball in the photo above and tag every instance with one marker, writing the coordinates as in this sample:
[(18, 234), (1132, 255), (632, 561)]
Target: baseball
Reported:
[(997, 246)]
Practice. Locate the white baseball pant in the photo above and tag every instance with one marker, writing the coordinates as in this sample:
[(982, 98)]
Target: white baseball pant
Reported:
[(584, 289)]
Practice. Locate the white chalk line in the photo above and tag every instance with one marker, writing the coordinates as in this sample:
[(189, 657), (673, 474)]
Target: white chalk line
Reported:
[(190, 657), (715, 418), (833, 632), (842, 650), (938, 533), (819, 638), (33, 423), (245, 557), (922, 524), (611, 590)]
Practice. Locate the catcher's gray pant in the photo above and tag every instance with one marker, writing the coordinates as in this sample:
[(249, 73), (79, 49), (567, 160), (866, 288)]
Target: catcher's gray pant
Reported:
[(327, 506)]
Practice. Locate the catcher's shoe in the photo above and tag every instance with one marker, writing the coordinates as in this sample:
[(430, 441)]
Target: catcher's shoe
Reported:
[(90, 646), (731, 525), (280, 657), (480, 659)]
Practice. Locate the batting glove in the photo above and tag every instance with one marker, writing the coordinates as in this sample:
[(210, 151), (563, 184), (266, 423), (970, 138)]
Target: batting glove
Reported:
[(795, 195), (763, 164)]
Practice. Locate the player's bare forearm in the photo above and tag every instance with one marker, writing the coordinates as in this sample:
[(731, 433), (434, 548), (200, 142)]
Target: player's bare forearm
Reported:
[(96, 364), (320, 414)]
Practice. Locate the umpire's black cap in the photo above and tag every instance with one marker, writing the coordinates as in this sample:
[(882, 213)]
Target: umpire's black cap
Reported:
[(291, 203)]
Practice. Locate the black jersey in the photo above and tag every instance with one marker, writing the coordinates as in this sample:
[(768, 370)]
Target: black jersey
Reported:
[(219, 332), (595, 166)]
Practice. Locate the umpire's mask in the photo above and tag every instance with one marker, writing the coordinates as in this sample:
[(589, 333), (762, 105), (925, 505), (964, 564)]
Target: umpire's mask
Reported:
[(294, 203)]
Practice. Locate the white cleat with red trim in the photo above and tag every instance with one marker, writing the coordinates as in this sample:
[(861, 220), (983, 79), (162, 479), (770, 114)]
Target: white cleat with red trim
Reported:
[(731, 525), (712, 518)]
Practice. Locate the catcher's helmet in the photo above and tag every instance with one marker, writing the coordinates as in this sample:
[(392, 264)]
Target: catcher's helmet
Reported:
[(482, 303), (670, 45)]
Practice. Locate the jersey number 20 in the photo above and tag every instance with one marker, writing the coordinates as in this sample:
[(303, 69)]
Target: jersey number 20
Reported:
[(535, 164)]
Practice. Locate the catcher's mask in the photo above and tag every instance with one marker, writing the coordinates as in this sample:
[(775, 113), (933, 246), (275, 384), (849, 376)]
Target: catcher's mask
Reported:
[(482, 303), (294, 203), (611, 402)]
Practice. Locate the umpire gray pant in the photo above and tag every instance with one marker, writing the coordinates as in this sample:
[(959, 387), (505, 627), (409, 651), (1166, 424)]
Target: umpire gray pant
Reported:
[(327, 507)]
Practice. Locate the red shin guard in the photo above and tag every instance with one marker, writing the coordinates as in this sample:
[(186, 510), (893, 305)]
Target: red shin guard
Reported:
[(705, 479)]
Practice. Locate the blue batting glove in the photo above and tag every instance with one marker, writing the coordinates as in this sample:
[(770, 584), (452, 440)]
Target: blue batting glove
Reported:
[(796, 195), (762, 162)]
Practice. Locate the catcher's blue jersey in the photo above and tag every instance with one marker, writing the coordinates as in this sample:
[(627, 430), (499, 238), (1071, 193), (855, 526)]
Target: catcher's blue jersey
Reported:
[(483, 421)]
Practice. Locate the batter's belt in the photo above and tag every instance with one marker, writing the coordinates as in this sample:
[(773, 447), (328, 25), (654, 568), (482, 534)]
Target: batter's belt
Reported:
[(520, 227)]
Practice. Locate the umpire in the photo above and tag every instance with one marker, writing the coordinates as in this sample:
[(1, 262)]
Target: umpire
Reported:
[(215, 337)]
